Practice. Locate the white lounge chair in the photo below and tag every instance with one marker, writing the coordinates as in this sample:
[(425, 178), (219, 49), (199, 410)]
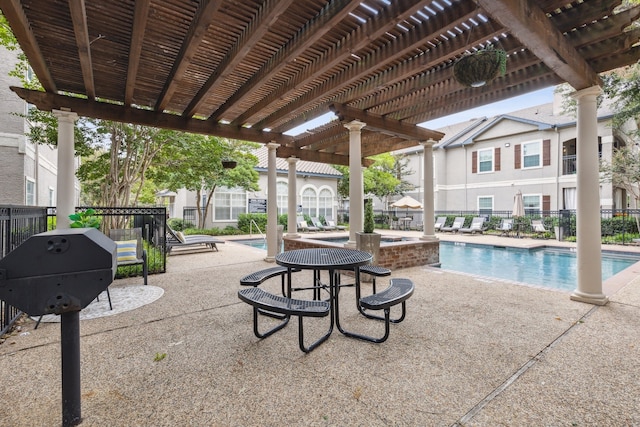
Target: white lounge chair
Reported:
[(476, 226), (506, 226), (440, 221), (458, 223)]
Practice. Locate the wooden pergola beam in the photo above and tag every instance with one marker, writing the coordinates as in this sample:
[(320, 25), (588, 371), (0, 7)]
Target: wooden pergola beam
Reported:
[(12, 10), (379, 123), (125, 114), (529, 24), (318, 156), (79, 19)]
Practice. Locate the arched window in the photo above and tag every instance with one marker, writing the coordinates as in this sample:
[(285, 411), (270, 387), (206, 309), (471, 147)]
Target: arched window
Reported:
[(325, 203), (310, 202), (283, 197)]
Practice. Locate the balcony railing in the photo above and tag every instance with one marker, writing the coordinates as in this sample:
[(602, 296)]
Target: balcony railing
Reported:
[(569, 165)]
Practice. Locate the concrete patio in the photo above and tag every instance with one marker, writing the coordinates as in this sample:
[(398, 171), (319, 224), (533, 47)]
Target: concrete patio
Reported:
[(472, 352)]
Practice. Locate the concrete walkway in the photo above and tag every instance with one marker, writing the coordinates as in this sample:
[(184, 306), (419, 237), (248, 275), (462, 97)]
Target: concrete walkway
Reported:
[(472, 352)]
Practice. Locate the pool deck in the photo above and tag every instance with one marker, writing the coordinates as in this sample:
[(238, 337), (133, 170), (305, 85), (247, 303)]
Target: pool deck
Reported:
[(472, 351)]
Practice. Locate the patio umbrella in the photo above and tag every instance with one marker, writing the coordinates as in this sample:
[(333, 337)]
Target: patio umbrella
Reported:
[(407, 202), (518, 204)]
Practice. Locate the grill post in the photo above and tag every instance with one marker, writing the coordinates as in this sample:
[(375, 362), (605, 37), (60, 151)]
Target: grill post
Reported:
[(70, 349)]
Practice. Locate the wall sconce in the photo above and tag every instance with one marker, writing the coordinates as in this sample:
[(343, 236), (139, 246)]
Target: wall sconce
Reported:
[(508, 144)]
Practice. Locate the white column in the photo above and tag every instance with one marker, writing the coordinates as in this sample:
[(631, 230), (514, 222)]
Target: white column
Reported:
[(272, 204), (292, 199), (588, 233), (66, 191), (356, 182), (428, 211)]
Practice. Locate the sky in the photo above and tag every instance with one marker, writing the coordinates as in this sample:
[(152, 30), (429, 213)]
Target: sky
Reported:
[(531, 99)]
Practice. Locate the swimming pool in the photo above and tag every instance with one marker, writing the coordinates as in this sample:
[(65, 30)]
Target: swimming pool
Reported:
[(549, 267)]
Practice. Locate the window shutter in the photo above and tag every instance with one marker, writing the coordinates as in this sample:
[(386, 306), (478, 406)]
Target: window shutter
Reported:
[(546, 202), (474, 162), (516, 156), (546, 152), (496, 161)]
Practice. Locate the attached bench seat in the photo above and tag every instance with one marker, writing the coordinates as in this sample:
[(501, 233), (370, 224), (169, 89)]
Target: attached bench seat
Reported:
[(258, 277), (375, 271), (263, 301), (398, 292)]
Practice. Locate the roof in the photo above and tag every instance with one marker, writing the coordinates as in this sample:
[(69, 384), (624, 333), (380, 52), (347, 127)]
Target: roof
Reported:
[(253, 69), (302, 166), (544, 116)]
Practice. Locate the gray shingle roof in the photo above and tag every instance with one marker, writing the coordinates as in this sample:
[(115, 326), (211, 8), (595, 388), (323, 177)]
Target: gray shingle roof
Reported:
[(542, 116)]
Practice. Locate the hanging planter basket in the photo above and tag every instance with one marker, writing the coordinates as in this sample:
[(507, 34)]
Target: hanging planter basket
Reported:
[(229, 164), (480, 67)]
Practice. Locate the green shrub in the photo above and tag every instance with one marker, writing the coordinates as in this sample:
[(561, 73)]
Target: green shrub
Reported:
[(179, 224), (244, 222)]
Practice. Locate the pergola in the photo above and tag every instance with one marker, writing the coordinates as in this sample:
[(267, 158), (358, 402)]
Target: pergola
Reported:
[(253, 69)]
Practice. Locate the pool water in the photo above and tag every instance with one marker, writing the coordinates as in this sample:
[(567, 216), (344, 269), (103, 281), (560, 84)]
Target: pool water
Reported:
[(549, 267)]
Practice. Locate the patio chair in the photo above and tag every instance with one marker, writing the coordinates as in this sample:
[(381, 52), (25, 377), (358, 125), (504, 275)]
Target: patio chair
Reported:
[(440, 221), (506, 226), (458, 223), (332, 223), (303, 226), (316, 223), (178, 239), (327, 226), (476, 226), (538, 227), (130, 250)]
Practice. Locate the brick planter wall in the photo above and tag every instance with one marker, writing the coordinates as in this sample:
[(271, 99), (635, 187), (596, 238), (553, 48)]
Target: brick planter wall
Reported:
[(393, 255)]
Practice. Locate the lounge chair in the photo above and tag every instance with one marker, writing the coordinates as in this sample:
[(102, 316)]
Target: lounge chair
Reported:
[(332, 223), (506, 226), (303, 226), (440, 221), (458, 223), (316, 223), (476, 226), (326, 225), (538, 227), (176, 239)]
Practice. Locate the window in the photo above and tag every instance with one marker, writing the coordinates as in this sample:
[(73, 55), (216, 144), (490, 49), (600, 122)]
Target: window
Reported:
[(485, 160), (531, 154), (52, 197), (229, 203), (282, 196), (485, 205), (309, 202), (532, 204), (325, 203), (30, 192)]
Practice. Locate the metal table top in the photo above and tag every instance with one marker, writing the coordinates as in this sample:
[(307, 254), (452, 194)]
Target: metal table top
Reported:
[(323, 258)]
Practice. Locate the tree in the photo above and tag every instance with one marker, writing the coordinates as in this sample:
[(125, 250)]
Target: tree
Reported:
[(383, 179), (195, 163), (624, 171)]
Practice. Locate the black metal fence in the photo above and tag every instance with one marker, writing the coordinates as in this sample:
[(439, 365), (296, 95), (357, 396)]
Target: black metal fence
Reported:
[(17, 224), (152, 221), (617, 224)]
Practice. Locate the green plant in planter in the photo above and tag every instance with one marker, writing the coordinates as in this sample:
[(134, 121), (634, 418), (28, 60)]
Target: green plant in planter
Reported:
[(85, 219), (368, 216), (480, 67)]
